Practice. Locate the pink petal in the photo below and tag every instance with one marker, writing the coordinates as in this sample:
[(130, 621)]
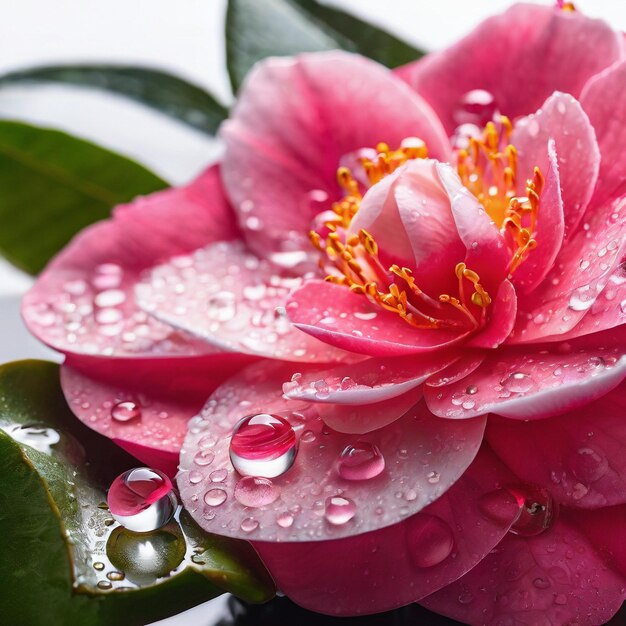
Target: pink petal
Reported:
[(604, 102), (549, 230), (294, 121), (578, 456), (464, 366), (399, 564), (232, 299), (337, 316), (423, 457), (561, 119), (558, 577), (520, 57), (531, 384), (501, 319), (83, 303), (371, 380)]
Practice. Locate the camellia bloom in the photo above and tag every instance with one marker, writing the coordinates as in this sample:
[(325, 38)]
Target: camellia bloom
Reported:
[(392, 257)]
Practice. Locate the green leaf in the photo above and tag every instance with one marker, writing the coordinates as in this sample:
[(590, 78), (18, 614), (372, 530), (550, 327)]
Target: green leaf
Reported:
[(256, 30), (52, 185), (178, 98), (54, 527)]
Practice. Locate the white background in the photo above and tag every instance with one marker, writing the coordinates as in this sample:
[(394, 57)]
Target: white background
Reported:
[(184, 38)]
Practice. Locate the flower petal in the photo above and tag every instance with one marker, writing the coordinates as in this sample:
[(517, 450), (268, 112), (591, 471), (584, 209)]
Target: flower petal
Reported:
[(561, 119), (559, 577), (82, 304), (294, 121), (423, 457), (501, 319), (578, 456), (337, 316), (398, 564), (231, 299), (532, 384), (520, 57)]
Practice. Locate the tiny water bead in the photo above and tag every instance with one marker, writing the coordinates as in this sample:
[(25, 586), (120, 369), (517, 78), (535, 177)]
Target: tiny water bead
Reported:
[(361, 461), (263, 445), (255, 491), (125, 411), (518, 382), (142, 499), (538, 511), (429, 540), (339, 510)]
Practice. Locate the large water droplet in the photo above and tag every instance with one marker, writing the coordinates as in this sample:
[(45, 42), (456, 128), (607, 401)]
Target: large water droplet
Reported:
[(518, 382), (429, 540), (361, 461), (142, 499), (125, 411), (255, 491), (215, 497), (145, 558), (538, 510), (587, 464), (339, 510), (263, 445)]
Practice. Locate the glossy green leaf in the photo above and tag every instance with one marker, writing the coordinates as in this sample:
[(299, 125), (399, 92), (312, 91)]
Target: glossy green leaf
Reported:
[(52, 185), (178, 98), (54, 528), (255, 30)]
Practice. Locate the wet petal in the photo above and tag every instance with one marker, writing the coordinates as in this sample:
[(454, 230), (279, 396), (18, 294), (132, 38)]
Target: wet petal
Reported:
[(501, 319), (294, 121), (559, 577), (232, 299), (348, 321), (520, 57), (83, 303), (422, 455), (398, 564), (532, 384)]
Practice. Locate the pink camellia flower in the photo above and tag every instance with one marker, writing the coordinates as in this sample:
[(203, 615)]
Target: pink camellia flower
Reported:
[(468, 217)]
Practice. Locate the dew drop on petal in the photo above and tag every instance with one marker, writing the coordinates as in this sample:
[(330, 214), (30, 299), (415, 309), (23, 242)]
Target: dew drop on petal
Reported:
[(263, 445), (361, 461), (429, 540), (142, 499), (538, 511), (255, 491), (125, 411), (339, 510), (215, 497), (587, 464), (518, 382), (204, 458), (249, 525), (285, 520), (218, 476)]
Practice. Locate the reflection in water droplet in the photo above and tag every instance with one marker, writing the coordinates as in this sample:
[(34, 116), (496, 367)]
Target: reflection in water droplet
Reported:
[(39, 437), (518, 382), (215, 497), (263, 445), (146, 557), (142, 499), (339, 510), (361, 461), (255, 491), (538, 512), (125, 411), (429, 540)]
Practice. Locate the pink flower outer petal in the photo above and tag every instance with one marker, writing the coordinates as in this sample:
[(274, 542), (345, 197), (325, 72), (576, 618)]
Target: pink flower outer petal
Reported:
[(230, 298), (294, 121), (167, 400), (562, 120), (520, 57), (387, 568), (578, 457), (466, 364), (532, 384), (424, 456), (604, 102), (348, 321), (82, 304), (558, 577)]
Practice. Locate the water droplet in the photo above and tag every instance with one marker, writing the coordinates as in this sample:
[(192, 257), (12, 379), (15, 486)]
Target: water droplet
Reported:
[(195, 477), (538, 511), (218, 476), (429, 540), (361, 461), (249, 525), (142, 499), (110, 298), (204, 458), (263, 445), (125, 411), (285, 520), (477, 106), (104, 584), (37, 436), (587, 464), (582, 299), (255, 491), (518, 382), (98, 565), (499, 506), (307, 436), (465, 598), (339, 510), (433, 477), (215, 497), (115, 576)]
